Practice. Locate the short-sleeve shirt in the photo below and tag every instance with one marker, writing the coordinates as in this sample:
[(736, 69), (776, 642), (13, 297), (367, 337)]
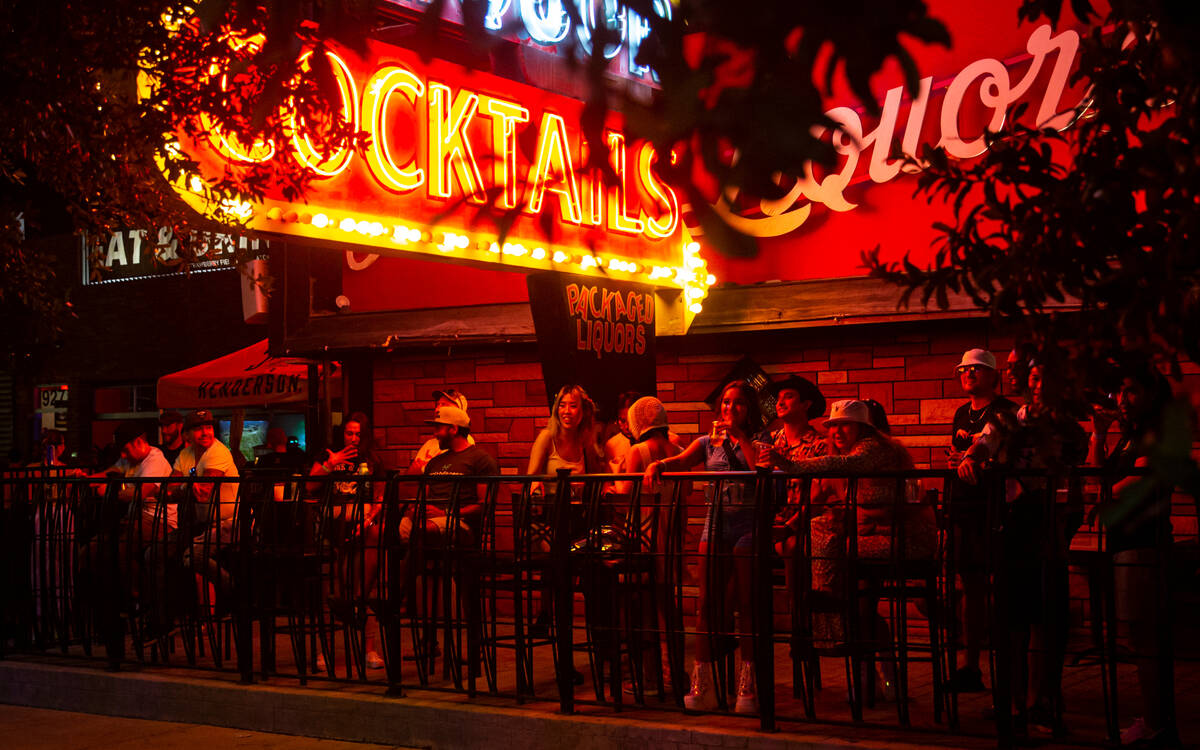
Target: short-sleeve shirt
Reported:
[(972, 422), (171, 454), (471, 462), (154, 465), (810, 445), (216, 458), (432, 448)]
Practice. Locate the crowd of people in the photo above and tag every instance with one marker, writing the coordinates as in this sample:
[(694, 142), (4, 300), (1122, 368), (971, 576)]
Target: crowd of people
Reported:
[(988, 430)]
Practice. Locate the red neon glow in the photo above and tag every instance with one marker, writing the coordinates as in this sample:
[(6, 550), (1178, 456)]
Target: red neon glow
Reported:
[(465, 136)]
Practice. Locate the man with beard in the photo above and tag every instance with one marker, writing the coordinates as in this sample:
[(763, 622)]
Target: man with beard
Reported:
[(431, 448), (170, 425), (459, 458)]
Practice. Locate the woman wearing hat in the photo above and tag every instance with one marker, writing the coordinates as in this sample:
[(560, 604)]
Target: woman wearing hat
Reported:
[(650, 431), (730, 447), (855, 446)]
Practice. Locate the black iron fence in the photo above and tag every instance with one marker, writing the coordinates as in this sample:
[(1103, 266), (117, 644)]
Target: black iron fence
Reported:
[(589, 588)]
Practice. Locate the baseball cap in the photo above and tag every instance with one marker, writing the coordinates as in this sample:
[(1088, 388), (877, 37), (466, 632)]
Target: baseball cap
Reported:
[(170, 417), (198, 419), (451, 394), (126, 433), (450, 415), (980, 357)]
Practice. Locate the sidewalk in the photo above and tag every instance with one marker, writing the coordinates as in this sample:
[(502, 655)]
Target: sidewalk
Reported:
[(424, 719), (28, 728)]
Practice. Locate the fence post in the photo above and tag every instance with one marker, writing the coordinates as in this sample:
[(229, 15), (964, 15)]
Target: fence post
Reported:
[(563, 595), (392, 595), (243, 632), (762, 598)]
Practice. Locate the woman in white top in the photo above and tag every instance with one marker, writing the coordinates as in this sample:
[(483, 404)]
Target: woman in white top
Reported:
[(569, 440)]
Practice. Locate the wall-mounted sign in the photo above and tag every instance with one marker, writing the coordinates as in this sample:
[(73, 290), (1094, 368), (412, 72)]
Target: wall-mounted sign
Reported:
[(953, 114), (446, 141), (51, 402), (598, 333), (51, 397), (131, 254), (547, 24)]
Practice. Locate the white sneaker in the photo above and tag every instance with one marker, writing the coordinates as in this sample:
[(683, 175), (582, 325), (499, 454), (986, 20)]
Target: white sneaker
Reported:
[(374, 660), (320, 663), (747, 698), (1135, 732), (703, 695)]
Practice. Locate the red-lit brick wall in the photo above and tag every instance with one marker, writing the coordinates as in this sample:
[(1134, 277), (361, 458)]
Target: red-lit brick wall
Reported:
[(909, 368)]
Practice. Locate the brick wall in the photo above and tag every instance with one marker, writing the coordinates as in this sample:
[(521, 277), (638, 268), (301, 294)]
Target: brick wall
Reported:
[(908, 368)]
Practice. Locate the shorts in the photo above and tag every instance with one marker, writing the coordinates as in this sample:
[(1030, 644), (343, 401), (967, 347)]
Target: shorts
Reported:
[(736, 527)]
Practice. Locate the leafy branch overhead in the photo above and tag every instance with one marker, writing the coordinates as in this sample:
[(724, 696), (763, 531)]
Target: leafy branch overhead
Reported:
[(1101, 218)]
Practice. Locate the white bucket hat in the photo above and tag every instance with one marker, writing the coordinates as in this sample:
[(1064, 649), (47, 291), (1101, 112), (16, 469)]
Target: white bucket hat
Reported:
[(977, 357), (849, 410)]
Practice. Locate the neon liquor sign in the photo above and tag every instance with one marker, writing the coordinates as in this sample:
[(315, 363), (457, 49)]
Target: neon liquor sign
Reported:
[(444, 143), (996, 91)]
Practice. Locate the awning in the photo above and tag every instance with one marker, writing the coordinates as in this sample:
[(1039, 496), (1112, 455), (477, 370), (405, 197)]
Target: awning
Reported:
[(247, 377)]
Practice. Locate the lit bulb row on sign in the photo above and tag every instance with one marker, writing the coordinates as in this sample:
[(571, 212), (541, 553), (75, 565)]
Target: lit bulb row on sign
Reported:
[(692, 276)]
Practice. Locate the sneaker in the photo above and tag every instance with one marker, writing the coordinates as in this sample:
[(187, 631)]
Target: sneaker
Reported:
[(703, 695), (966, 680), (374, 660), (747, 698), (1135, 732), (1138, 734), (320, 663)]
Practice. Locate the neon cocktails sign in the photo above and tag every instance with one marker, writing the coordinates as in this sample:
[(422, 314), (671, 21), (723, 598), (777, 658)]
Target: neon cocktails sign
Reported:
[(444, 142)]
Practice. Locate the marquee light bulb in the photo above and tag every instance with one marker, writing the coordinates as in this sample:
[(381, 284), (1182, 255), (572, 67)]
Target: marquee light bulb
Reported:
[(696, 307), (320, 221), (347, 224), (560, 256)]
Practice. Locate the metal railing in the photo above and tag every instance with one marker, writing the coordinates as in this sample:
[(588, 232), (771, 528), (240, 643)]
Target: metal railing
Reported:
[(459, 571)]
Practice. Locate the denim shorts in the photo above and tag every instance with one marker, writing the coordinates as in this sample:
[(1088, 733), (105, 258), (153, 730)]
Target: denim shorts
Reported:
[(736, 527)]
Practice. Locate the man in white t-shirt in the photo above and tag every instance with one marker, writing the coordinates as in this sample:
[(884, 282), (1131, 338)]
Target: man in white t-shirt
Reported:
[(431, 448), (140, 460), (205, 456)]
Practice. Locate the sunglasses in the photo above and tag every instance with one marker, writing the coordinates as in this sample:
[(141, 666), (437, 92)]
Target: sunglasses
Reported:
[(973, 368)]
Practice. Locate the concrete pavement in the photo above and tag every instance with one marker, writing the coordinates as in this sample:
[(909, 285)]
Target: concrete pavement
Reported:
[(26, 728)]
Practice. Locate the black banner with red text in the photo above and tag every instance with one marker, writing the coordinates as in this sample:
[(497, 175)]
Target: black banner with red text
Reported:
[(598, 333)]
